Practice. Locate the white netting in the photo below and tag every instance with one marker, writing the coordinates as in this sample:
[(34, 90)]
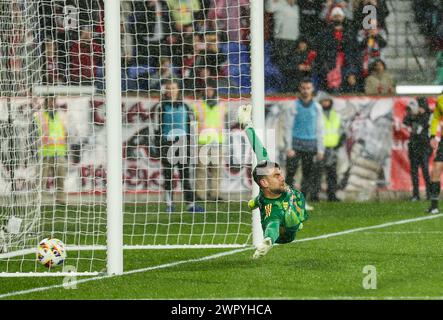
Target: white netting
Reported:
[(196, 45), (20, 163)]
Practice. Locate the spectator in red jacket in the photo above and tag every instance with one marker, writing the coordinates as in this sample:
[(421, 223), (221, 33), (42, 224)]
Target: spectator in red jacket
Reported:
[(86, 56), (338, 51)]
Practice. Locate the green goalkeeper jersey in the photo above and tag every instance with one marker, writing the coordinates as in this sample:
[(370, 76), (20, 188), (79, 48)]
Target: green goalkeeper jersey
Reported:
[(281, 218)]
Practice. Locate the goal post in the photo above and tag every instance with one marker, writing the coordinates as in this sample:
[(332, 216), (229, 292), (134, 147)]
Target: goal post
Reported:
[(257, 95), (114, 139), (109, 66)]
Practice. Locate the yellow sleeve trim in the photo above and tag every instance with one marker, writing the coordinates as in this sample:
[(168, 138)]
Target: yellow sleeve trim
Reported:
[(436, 116)]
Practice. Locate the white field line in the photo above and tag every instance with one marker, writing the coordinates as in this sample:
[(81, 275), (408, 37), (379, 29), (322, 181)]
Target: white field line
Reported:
[(333, 298), (404, 232), (215, 256)]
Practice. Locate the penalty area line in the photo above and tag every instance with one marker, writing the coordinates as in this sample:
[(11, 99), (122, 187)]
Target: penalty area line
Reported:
[(214, 256)]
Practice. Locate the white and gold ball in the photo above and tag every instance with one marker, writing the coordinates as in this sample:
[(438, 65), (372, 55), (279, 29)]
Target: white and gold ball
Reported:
[(51, 252)]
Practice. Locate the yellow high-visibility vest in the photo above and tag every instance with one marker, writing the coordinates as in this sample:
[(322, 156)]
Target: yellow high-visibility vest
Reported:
[(210, 122), (52, 133), (331, 136)]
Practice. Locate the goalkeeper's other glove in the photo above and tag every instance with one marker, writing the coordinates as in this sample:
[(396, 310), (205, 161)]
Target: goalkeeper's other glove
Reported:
[(263, 248), (244, 116)]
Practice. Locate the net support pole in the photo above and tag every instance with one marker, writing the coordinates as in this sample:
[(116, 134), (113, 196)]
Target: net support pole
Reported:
[(114, 138), (257, 95)]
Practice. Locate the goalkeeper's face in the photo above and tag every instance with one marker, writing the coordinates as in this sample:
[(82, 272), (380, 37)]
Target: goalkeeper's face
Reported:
[(274, 182)]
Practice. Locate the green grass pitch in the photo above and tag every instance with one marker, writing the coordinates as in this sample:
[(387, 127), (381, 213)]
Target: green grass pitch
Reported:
[(408, 259)]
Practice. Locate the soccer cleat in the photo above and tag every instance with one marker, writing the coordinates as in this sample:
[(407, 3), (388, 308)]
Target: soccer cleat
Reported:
[(333, 198), (263, 248), (433, 210), (244, 116), (308, 207), (196, 209), (170, 209)]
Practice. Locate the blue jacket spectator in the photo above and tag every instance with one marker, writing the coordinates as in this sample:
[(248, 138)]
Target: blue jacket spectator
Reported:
[(174, 125), (305, 140)]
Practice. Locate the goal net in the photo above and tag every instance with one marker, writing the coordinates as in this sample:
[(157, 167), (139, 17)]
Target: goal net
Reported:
[(185, 69)]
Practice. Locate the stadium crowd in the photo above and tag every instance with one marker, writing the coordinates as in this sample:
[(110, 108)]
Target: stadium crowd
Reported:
[(208, 40), (429, 15)]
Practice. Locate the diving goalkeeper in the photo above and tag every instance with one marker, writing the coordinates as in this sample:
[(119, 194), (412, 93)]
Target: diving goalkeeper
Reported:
[(282, 208)]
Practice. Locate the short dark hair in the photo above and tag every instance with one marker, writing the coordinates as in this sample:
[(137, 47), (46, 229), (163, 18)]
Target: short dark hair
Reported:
[(374, 63), (423, 103), (260, 171), (305, 80)]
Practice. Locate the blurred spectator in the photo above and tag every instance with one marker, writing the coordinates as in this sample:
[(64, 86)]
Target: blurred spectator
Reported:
[(331, 4), (209, 55), (298, 65), (86, 56), (437, 41), (201, 74), (182, 12), (90, 12), (53, 69), (286, 15), (166, 71), (127, 45), (333, 138), (382, 12), (352, 82), (228, 16), (428, 15), (419, 148), (174, 121), (211, 117), (187, 58), (149, 23), (371, 42), (310, 24), (304, 140), (379, 80), (439, 68), (50, 13), (338, 51), (53, 147)]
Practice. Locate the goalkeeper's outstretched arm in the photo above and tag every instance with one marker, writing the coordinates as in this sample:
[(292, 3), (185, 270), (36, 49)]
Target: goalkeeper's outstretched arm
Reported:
[(244, 119), (272, 231)]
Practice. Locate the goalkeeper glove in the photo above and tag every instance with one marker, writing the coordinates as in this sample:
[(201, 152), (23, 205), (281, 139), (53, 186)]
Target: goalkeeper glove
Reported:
[(244, 116), (263, 248), (252, 204)]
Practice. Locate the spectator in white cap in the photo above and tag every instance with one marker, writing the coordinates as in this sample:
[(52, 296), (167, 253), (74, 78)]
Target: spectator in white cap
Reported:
[(336, 7), (337, 51)]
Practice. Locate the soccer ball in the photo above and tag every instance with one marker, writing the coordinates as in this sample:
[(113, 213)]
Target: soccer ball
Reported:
[(51, 252)]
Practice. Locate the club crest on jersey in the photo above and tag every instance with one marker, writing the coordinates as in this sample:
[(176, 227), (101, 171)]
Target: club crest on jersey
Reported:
[(268, 209), (285, 205)]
